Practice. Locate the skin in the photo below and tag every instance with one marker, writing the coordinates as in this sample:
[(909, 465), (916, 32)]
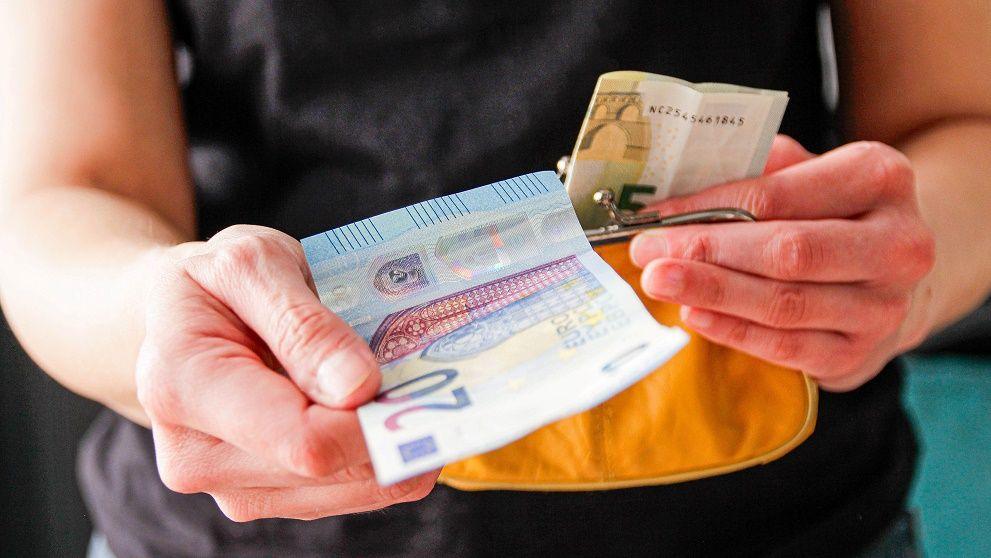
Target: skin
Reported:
[(222, 347), (824, 282), (863, 251), (249, 384)]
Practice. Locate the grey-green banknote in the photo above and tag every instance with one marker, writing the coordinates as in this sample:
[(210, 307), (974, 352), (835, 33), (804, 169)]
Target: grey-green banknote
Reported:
[(648, 137)]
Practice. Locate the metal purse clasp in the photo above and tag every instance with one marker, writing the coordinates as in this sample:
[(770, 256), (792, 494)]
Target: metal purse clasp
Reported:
[(623, 225)]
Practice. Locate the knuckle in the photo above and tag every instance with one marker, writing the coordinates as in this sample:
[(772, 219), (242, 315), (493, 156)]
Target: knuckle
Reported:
[(785, 347), (888, 167), (794, 254), (757, 201), (302, 325), (305, 458), (714, 289), (241, 254), (311, 456), (918, 252), (700, 248), (342, 340), (254, 240), (246, 256), (739, 333), (788, 307)]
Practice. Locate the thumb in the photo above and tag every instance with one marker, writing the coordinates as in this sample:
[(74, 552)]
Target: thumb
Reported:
[(261, 279), (785, 152), (323, 355)]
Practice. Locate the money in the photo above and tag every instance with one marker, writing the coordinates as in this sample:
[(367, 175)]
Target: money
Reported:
[(647, 137), (490, 316)]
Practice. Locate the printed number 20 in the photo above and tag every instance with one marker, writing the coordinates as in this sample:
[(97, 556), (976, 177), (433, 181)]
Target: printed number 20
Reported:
[(461, 399)]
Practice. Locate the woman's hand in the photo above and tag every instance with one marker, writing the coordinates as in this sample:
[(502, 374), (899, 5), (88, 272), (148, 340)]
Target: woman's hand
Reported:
[(826, 279), (249, 383)]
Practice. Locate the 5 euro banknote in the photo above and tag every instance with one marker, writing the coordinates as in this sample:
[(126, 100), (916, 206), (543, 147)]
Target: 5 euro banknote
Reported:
[(648, 137)]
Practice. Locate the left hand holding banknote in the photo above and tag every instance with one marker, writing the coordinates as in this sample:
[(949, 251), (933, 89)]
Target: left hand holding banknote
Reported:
[(250, 383), (826, 279)]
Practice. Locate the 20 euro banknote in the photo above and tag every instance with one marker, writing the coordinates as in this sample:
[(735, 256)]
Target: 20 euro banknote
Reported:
[(490, 315), (647, 137)]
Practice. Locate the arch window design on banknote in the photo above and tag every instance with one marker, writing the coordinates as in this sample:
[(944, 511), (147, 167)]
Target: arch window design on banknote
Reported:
[(553, 301), (617, 129), (470, 321)]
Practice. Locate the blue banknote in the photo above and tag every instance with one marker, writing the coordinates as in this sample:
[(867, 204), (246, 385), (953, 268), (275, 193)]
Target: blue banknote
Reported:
[(490, 316)]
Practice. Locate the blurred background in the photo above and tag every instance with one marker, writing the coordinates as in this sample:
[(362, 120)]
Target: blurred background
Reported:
[(948, 395)]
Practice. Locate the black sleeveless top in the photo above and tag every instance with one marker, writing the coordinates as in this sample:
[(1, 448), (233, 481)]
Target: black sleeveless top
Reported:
[(310, 114)]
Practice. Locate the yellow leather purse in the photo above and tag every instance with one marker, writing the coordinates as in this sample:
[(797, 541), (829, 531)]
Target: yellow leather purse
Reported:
[(708, 411)]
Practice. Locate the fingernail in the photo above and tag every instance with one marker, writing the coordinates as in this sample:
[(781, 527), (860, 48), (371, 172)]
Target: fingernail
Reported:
[(647, 247), (696, 318), (666, 281), (341, 375)]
